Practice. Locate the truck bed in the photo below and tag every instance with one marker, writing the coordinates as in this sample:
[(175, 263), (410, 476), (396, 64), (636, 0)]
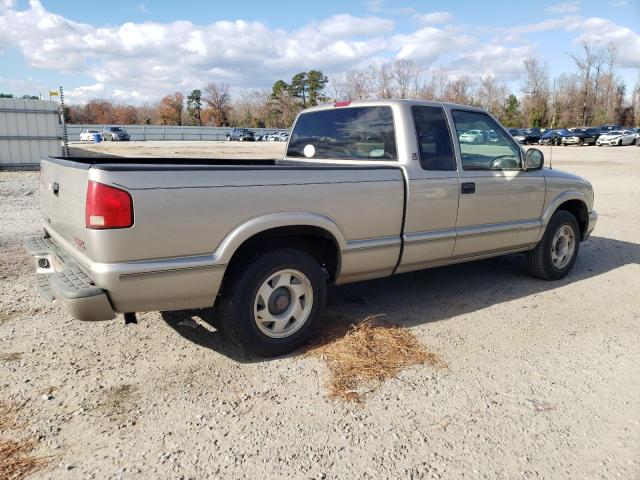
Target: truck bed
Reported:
[(190, 215)]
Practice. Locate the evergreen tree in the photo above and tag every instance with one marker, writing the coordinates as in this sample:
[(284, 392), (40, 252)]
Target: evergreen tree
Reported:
[(194, 106), (316, 82)]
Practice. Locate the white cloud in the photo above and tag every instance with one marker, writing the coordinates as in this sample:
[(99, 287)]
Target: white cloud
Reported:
[(138, 62), (620, 3), (433, 18), (428, 44), (594, 31), (566, 7)]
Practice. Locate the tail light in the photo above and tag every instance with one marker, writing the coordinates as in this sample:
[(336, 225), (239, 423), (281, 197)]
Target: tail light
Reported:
[(343, 103), (108, 207)]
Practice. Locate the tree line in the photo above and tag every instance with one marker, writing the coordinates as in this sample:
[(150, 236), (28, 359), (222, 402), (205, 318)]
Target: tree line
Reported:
[(592, 94)]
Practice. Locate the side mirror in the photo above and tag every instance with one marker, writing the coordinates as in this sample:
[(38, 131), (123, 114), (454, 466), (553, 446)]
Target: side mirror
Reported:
[(533, 159)]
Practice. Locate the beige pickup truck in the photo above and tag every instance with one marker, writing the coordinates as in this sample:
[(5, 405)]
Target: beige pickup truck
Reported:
[(365, 190)]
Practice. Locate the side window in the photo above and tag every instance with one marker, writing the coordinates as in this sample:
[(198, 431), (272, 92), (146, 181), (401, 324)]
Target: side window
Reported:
[(434, 139), (483, 145)]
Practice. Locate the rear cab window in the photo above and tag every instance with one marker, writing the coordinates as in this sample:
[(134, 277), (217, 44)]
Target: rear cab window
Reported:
[(345, 133)]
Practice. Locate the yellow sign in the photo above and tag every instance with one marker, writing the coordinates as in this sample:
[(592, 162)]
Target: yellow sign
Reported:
[(53, 93)]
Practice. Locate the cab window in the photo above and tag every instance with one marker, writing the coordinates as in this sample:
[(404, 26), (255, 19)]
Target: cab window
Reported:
[(354, 133), (434, 139), (483, 144)]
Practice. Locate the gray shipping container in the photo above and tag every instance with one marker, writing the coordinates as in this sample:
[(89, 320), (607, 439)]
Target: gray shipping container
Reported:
[(28, 131)]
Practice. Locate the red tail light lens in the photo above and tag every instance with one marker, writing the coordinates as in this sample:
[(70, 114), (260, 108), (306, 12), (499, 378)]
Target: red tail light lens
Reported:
[(108, 207), (343, 103)]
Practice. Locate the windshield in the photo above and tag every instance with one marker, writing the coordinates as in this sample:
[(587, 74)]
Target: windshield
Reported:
[(115, 129)]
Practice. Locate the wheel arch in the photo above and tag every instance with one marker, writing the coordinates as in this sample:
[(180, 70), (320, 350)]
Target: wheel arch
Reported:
[(573, 202), (317, 234)]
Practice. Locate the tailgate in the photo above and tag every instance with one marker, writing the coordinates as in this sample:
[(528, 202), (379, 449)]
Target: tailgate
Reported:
[(63, 188)]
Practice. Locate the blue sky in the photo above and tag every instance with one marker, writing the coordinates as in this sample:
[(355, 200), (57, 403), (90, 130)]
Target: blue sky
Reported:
[(138, 51)]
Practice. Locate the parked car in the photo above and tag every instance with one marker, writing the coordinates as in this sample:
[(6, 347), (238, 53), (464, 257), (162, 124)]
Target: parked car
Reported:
[(88, 135), (581, 136), (518, 135), (115, 134), (531, 136), (526, 136), (473, 136), (278, 137), (241, 135), (616, 137), (636, 132), (608, 128), (344, 205), (553, 137)]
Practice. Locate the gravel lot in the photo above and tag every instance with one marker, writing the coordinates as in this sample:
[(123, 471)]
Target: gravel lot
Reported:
[(543, 379)]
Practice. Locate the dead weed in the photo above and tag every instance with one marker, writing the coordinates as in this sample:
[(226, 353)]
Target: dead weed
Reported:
[(10, 357), (16, 461), (368, 354)]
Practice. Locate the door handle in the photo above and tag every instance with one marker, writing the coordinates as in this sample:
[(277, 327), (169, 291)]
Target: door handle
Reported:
[(56, 188), (468, 187)]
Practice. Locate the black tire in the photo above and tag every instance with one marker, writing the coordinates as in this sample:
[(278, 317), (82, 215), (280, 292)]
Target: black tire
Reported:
[(580, 142), (539, 259), (236, 307)]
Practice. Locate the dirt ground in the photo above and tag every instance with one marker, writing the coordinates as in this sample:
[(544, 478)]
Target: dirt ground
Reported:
[(543, 379)]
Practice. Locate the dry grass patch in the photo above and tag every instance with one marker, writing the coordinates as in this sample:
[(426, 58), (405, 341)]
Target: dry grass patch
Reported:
[(10, 357), (368, 354), (16, 461)]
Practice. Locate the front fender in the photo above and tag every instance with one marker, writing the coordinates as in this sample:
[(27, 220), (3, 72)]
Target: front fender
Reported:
[(553, 205)]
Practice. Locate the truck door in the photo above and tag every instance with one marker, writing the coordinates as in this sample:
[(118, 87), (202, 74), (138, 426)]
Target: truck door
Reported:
[(432, 192), (500, 204)]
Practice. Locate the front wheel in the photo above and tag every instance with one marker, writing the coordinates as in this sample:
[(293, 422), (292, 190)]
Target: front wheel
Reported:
[(556, 253), (271, 301)]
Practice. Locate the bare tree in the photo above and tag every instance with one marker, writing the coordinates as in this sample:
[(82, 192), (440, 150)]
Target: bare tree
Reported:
[(491, 96), (337, 88), (218, 103), (358, 84), (536, 93), (459, 90), (589, 66), (405, 73), (382, 80)]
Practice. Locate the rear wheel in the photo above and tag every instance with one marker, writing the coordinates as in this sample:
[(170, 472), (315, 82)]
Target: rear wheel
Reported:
[(271, 301), (556, 253)]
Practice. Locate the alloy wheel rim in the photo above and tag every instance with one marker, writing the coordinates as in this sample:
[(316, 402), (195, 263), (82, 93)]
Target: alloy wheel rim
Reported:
[(283, 303), (563, 246)]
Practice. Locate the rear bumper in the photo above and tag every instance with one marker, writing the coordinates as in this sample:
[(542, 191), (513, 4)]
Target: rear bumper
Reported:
[(61, 281), (109, 288), (593, 219)]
